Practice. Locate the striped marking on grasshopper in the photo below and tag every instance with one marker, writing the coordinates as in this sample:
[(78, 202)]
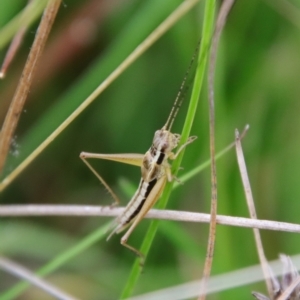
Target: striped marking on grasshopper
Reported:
[(155, 169)]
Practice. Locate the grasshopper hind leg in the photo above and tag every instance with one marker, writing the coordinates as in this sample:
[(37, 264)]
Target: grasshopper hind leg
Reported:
[(84, 156), (119, 227), (134, 250)]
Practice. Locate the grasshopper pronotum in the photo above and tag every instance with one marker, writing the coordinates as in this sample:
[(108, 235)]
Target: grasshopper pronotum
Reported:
[(155, 168)]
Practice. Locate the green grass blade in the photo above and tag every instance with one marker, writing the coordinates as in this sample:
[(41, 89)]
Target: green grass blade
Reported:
[(203, 54), (60, 260), (25, 18)]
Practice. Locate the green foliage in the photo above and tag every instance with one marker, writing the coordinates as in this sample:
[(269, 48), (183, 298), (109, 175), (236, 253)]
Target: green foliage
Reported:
[(256, 83)]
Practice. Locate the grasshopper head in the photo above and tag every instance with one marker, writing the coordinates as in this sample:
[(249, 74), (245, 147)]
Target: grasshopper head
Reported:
[(165, 141)]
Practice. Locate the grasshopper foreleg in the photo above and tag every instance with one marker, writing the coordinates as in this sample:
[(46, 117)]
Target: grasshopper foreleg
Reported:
[(173, 156)]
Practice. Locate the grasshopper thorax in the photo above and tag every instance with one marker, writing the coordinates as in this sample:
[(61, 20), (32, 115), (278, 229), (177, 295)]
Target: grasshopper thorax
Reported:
[(156, 158)]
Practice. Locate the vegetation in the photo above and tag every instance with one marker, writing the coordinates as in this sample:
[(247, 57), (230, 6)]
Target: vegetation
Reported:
[(257, 83)]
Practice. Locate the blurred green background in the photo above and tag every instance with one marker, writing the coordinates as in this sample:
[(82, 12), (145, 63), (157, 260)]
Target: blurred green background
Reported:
[(257, 83)]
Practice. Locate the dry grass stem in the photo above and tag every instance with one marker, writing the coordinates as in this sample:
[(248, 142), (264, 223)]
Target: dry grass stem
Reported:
[(252, 211), (11, 52), (221, 19), (23, 273), (13, 48), (137, 52), (286, 294), (107, 211), (17, 104)]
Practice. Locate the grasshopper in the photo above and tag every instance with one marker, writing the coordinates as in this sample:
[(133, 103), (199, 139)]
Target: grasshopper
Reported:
[(155, 170)]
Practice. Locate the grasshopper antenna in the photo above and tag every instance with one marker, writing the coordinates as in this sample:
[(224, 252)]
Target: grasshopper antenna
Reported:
[(179, 98)]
